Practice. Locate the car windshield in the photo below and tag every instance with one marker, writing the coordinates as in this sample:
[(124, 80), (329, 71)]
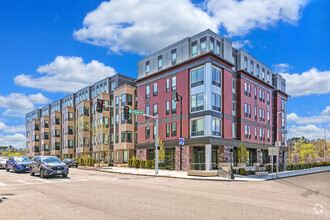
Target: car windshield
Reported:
[(50, 160), (21, 159)]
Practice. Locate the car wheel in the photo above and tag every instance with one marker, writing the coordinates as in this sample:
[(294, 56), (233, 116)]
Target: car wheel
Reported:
[(31, 172), (42, 173), (64, 175), (7, 169), (14, 170)]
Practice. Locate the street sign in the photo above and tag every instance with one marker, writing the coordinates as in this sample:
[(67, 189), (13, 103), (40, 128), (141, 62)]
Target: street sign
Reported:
[(137, 112), (272, 151), (181, 141)]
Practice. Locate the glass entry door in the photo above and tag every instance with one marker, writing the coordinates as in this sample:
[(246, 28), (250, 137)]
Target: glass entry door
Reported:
[(198, 158)]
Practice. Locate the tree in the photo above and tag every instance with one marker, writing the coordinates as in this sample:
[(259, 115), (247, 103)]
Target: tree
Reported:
[(161, 152), (307, 150), (242, 153), (85, 156)]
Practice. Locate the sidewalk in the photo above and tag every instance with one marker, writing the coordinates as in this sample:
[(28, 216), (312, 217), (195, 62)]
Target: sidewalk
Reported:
[(183, 174)]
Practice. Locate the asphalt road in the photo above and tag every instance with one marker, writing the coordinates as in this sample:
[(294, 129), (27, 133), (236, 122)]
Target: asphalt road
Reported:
[(98, 195)]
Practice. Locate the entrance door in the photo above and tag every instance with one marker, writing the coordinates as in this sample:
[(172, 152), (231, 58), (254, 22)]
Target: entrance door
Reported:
[(198, 158)]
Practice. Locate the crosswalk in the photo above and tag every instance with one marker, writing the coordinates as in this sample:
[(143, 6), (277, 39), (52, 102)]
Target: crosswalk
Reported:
[(14, 179)]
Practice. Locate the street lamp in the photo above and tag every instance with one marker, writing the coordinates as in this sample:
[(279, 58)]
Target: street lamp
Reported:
[(278, 140), (179, 99)]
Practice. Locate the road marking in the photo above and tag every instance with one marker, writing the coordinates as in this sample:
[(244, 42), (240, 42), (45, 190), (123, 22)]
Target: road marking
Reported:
[(22, 181), (42, 180)]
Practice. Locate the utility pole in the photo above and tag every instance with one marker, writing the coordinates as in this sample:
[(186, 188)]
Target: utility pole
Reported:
[(278, 141), (179, 99), (325, 145)]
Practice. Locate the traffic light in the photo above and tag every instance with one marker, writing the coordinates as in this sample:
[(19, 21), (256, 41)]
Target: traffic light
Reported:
[(126, 112), (99, 105)]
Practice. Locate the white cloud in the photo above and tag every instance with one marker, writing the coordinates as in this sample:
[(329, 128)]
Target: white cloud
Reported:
[(281, 67), (242, 43), (15, 140), (143, 26), (310, 82), (308, 131), (65, 74), (324, 117), (240, 17), (18, 104), (11, 129)]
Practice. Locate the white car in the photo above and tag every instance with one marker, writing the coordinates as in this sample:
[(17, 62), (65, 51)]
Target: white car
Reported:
[(3, 161)]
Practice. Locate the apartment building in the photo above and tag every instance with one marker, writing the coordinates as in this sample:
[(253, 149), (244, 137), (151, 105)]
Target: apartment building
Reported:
[(70, 127), (228, 98)]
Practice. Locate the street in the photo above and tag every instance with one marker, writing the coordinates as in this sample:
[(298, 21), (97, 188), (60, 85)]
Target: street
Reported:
[(97, 195)]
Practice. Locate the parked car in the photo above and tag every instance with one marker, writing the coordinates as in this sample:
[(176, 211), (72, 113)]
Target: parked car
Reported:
[(3, 161), (70, 162), (48, 166), (18, 163)]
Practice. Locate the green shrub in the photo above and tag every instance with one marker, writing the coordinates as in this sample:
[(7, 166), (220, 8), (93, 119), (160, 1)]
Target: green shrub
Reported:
[(136, 163), (130, 163), (80, 161), (242, 171), (268, 167), (143, 164), (234, 171)]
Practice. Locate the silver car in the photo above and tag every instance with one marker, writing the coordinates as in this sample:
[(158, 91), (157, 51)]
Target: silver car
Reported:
[(3, 161)]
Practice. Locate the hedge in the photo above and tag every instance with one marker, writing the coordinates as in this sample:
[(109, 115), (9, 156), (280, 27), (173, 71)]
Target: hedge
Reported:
[(301, 166), (136, 163)]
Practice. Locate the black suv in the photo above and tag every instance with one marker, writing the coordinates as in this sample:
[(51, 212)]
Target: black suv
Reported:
[(48, 166), (70, 162)]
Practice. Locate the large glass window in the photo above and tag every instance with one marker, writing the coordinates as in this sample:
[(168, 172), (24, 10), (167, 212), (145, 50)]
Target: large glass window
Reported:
[(216, 127), (197, 77), (197, 127), (129, 99), (216, 77), (173, 56), (216, 102), (234, 86), (173, 106), (245, 63), (155, 109), (197, 102), (194, 49), (167, 129), (147, 91), (147, 66), (123, 99), (234, 130), (173, 83), (160, 62), (218, 48), (245, 88), (147, 133), (167, 85), (125, 156), (167, 107), (154, 132), (211, 44), (251, 66), (117, 101), (203, 44)]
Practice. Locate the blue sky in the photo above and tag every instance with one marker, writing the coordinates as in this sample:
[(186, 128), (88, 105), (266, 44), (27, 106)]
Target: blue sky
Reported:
[(51, 48)]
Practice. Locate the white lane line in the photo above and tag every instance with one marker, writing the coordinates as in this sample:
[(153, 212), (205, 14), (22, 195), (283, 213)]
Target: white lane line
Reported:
[(3, 184), (22, 181), (43, 180)]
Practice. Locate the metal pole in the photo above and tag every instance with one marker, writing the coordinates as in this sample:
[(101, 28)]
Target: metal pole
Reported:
[(180, 132), (278, 141), (325, 144), (156, 145)]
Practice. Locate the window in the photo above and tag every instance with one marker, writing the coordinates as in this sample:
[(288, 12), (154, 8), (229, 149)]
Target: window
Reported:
[(46, 135), (245, 110), (283, 105), (155, 109), (57, 133), (249, 111), (263, 115), (211, 44), (257, 70), (57, 145), (70, 130), (129, 99), (147, 91), (268, 97), (167, 85), (203, 44), (154, 132), (255, 113), (260, 99), (245, 131), (123, 99), (255, 92), (160, 62), (173, 56), (216, 127), (216, 77), (260, 134), (167, 107), (70, 114), (283, 122), (123, 136), (249, 132), (234, 85), (106, 122), (46, 124), (117, 119), (147, 133), (263, 134), (173, 127), (263, 96), (255, 133), (263, 74), (197, 77), (194, 49), (268, 117), (268, 135), (173, 83), (260, 114), (147, 66), (234, 107), (197, 127), (117, 137), (173, 106), (46, 147), (106, 139), (197, 102), (113, 85), (125, 156), (268, 76), (155, 90), (36, 137), (167, 129), (117, 101), (234, 130), (251, 66), (245, 63), (218, 48), (147, 111), (57, 120), (249, 89), (245, 88), (216, 100)]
